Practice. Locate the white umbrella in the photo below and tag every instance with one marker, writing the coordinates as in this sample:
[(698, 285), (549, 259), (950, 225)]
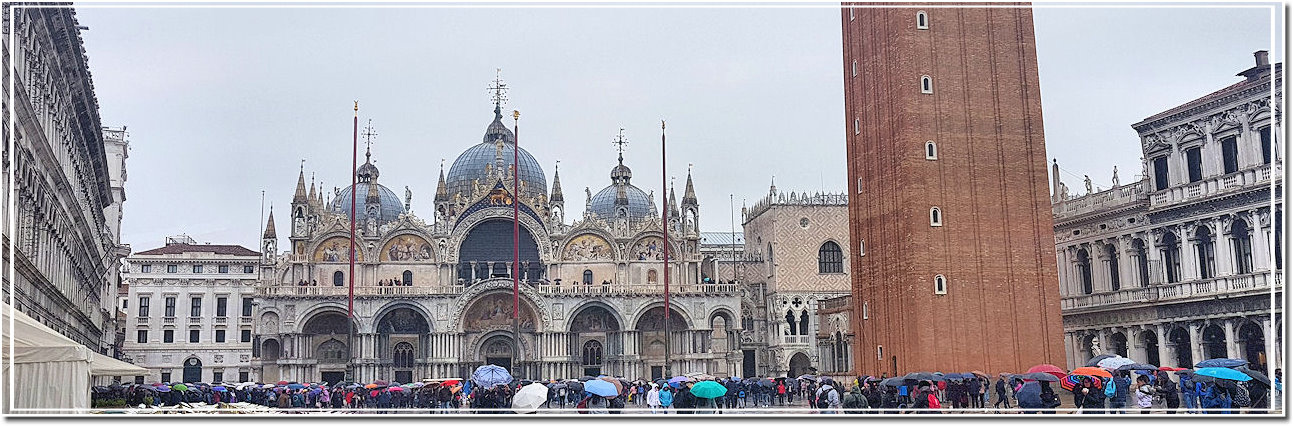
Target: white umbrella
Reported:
[(1114, 363), (529, 398)]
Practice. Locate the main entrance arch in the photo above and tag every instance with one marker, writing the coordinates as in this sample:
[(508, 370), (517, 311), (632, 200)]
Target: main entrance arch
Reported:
[(402, 333), (592, 330), (499, 350)]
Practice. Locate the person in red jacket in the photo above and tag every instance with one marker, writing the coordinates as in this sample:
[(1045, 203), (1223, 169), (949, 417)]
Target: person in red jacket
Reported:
[(781, 393)]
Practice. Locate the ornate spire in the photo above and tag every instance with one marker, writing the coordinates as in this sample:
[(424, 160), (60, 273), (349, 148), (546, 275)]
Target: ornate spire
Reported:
[(442, 194), (367, 172), (300, 196), (269, 227), (496, 128), (313, 198), (772, 186), (557, 198), (689, 194), (673, 207), (620, 174)]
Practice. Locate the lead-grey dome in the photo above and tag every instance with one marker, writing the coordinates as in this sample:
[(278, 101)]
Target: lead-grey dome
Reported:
[(471, 164), (604, 203), (391, 207)]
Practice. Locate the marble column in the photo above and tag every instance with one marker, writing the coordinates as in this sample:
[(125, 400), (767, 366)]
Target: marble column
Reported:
[(1225, 259), (1196, 344), (1260, 237), (1136, 346), (1071, 345), (1161, 336), (1229, 328)]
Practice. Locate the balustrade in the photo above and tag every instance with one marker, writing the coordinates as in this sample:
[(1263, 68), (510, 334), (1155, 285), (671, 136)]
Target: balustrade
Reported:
[(1172, 291)]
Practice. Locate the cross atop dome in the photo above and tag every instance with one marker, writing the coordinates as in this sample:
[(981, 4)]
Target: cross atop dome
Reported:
[(499, 89), (620, 143)]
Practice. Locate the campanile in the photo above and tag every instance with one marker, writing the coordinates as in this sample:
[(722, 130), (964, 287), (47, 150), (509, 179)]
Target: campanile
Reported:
[(955, 268)]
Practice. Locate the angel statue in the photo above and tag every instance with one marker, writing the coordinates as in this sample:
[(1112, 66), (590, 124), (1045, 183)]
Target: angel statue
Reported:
[(408, 199)]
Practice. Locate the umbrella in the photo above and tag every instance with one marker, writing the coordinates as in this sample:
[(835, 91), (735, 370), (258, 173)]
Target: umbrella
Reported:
[(766, 383), (162, 388), (807, 377), (708, 389), (450, 382), (1091, 371), (370, 386), (1072, 380), (381, 382), (180, 387), (267, 386), (490, 375), (1048, 368), (600, 388), (1136, 366), (1260, 377), (677, 379), (954, 376), (373, 394), (587, 378), (1041, 377), (529, 398), (619, 386), (979, 373), (1170, 369), (1112, 363), (922, 376), (1223, 373), (893, 381), (1221, 362), (1097, 359), (282, 383), (218, 388), (295, 386)]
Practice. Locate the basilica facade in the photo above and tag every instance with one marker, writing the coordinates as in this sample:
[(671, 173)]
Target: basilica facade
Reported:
[(434, 297)]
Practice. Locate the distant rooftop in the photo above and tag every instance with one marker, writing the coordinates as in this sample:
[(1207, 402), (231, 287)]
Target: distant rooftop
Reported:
[(722, 238), (181, 248)]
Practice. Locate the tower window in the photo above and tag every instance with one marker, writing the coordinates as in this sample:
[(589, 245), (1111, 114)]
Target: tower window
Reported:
[(851, 14), (936, 217), (941, 285), (931, 152), (927, 86), (864, 310), (860, 185), (856, 127), (862, 248), (855, 68), (923, 21)]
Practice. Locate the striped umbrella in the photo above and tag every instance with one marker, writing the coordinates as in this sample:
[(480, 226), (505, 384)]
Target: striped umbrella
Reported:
[(1069, 382)]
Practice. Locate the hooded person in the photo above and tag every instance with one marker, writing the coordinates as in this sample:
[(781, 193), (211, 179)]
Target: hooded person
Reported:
[(854, 401), (653, 399), (666, 399)]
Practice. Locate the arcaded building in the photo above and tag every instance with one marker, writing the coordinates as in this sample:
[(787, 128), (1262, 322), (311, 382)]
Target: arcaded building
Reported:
[(954, 268)]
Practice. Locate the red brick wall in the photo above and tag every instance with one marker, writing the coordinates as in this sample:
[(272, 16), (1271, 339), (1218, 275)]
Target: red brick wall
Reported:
[(996, 248)]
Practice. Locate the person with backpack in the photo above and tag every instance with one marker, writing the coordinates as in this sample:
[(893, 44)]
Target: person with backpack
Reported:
[(1167, 390), (1239, 393), (1214, 399), (854, 402), (827, 398), (1190, 393), (1145, 394), (925, 397), (1119, 400)]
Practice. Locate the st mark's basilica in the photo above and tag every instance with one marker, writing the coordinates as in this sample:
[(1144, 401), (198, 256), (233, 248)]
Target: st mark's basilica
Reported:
[(433, 298)]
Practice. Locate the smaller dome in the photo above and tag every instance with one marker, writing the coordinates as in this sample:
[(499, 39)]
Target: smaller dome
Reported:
[(604, 203), (390, 205), (367, 172), (621, 172)]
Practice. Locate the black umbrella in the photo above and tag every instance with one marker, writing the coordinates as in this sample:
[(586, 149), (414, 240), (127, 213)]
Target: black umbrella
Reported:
[(893, 381), (1221, 362), (1040, 376), (1096, 359), (1136, 366), (921, 376), (1260, 377)]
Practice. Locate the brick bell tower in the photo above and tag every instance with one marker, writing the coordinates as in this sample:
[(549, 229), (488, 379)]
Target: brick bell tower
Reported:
[(951, 214)]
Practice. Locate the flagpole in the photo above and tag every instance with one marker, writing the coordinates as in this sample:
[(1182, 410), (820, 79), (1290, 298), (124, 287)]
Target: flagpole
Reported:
[(516, 234), (665, 230), (350, 290)]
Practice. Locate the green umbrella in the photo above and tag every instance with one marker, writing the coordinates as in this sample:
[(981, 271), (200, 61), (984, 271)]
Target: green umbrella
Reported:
[(708, 389), (180, 387)]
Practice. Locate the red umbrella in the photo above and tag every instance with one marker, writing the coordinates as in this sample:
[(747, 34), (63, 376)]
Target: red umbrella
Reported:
[(1170, 369), (1049, 369), (450, 382), (282, 383), (373, 394), (1091, 371)]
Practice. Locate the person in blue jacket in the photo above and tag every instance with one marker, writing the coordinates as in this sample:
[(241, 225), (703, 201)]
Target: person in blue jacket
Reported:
[(666, 399)]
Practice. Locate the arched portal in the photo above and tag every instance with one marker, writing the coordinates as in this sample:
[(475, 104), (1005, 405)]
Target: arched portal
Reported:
[(1151, 342), (596, 329), (799, 365), (327, 341), (499, 350), (486, 252), (1253, 345), (401, 340), (1215, 342), (270, 352), (192, 370), (1180, 339), (1119, 344), (651, 338)]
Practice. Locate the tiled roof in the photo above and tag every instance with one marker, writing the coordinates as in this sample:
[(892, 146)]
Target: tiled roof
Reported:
[(226, 249)]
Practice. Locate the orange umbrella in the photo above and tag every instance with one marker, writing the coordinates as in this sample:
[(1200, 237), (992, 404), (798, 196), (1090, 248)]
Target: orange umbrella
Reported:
[(370, 386), (1091, 371)]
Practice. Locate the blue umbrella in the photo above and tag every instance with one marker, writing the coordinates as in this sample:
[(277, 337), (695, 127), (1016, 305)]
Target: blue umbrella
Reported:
[(490, 375), (600, 388), (218, 388), (162, 388), (1221, 362), (1223, 373), (295, 386), (678, 379)]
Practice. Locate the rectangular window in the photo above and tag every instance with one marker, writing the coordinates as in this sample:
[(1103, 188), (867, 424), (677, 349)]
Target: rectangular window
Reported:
[(860, 185), (247, 306), (1229, 161), (195, 308), (166, 376), (243, 377), (139, 380), (141, 336), (1265, 134), (145, 268), (194, 335), (143, 306), (220, 336), (197, 269), (880, 354), (221, 303), (170, 306), (168, 336), (1161, 173), (245, 336), (864, 310), (851, 14), (249, 269), (224, 269), (171, 269), (217, 376), (1194, 165)]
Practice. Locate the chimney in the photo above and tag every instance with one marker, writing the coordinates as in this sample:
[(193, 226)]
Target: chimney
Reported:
[(1260, 58)]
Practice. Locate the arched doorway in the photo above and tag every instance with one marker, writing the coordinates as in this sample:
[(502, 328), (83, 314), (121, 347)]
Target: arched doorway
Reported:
[(1180, 339), (593, 328), (1215, 342), (499, 350), (651, 338), (327, 332), (1151, 343), (1091, 347), (192, 370), (799, 365), (1119, 344), (401, 334), (270, 350), (486, 253), (1253, 345)]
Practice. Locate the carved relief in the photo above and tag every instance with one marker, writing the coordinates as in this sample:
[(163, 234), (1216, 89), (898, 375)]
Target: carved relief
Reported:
[(587, 247)]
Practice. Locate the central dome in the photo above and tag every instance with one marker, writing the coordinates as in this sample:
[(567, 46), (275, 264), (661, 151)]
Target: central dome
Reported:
[(473, 163)]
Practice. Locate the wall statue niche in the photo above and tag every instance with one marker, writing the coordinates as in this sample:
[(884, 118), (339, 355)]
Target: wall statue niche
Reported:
[(587, 247), (407, 248)]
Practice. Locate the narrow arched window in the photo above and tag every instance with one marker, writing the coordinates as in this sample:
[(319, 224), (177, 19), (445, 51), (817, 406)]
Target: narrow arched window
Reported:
[(830, 258), (941, 285), (855, 68), (936, 217), (927, 85), (338, 279), (1242, 247), (931, 152), (923, 20), (856, 126), (408, 277), (862, 248), (588, 276)]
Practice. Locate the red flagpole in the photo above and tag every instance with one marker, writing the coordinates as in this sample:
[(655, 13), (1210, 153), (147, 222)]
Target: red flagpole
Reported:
[(516, 231), (350, 291), (665, 229)]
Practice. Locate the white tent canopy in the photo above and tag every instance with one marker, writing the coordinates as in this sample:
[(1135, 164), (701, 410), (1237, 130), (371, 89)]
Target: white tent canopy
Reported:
[(49, 372)]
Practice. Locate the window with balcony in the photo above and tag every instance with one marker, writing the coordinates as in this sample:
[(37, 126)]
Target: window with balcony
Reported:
[(1230, 156), (1265, 135), (1194, 165), (790, 322), (1112, 265), (1204, 252), (804, 323), (247, 306), (195, 307), (168, 336), (1172, 257), (1242, 247), (170, 306), (1085, 271), (221, 306), (1161, 173), (143, 306), (830, 258), (1143, 263)]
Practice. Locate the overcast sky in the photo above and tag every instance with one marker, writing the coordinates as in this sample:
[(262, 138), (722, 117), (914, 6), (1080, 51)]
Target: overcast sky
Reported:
[(223, 103)]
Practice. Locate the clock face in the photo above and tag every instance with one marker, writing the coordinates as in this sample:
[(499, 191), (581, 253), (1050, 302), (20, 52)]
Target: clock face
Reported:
[(193, 362)]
